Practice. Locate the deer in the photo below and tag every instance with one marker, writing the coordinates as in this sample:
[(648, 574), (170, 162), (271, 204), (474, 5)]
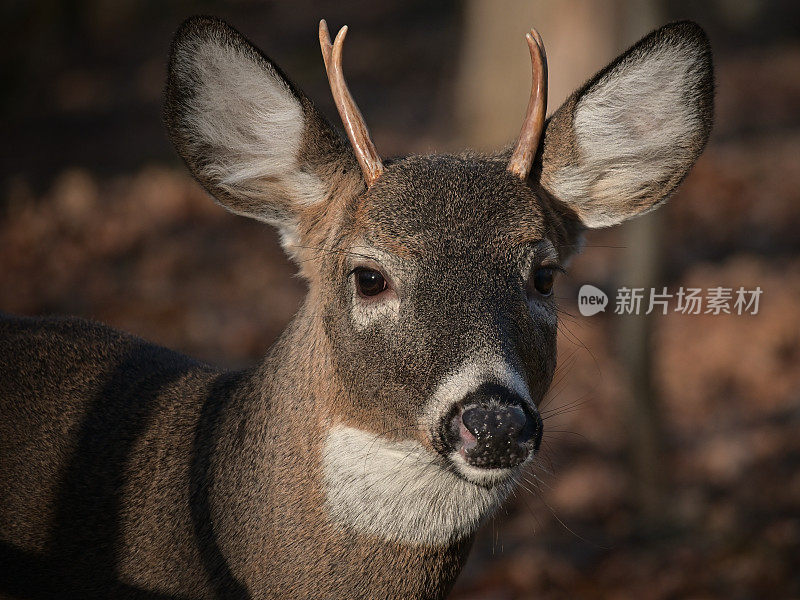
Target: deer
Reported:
[(398, 409)]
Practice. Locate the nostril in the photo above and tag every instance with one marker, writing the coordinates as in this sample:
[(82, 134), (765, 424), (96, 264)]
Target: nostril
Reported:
[(528, 431), (516, 419), (532, 431)]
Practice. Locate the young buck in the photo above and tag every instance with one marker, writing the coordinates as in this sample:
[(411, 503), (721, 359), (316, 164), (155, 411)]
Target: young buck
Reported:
[(397, 410)]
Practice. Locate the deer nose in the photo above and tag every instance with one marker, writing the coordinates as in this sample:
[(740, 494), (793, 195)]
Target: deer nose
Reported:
[(496, 429), (499, 422)]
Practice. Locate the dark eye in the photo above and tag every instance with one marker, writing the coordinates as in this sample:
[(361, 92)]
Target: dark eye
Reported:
[(542, 280), (369, 282)]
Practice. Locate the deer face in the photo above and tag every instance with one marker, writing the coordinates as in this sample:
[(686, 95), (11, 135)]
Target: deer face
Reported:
[(431, 278), (444, 320)]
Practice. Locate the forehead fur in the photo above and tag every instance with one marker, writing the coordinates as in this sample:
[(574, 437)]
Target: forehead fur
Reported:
[(427, 201)]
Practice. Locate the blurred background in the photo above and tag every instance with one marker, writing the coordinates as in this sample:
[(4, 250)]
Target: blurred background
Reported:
[(671, 461)]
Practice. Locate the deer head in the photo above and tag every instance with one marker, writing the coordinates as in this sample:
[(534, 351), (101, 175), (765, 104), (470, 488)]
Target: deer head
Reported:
[(431, 278)]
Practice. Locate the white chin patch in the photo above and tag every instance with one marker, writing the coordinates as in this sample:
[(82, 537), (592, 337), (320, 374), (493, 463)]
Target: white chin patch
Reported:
[(397, 490)]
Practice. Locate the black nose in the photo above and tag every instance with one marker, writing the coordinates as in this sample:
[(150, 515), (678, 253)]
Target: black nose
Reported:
[(495, 428), (487, 422)]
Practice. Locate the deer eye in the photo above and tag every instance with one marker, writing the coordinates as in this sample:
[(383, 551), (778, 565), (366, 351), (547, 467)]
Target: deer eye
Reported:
[(369, 282), (542, 281)]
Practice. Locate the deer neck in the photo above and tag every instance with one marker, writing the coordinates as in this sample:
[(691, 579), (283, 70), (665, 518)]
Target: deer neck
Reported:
[(269, 471)]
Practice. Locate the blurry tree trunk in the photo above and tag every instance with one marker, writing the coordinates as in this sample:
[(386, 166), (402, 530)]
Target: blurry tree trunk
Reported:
[(581, 36), (495, 79), (642, 267)]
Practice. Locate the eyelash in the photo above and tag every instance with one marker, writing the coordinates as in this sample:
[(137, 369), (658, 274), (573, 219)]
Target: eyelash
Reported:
[(554, 267)]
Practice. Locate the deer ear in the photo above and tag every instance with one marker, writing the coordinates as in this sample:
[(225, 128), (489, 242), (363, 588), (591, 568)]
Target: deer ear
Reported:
[(256, 144), (621, 144)]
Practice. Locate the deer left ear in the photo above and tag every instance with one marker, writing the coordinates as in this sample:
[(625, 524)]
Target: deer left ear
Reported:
[(253, 140), (621, 144)]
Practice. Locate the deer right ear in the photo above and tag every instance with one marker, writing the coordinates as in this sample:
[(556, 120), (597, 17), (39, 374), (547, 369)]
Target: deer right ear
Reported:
[(256, 144), (622, 143)]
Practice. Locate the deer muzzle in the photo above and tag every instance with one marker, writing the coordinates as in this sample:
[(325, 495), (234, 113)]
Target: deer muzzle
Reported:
[(493, 428)]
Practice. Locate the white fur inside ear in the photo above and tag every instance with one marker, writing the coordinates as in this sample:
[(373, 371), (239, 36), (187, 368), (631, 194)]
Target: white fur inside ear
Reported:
[(398, 491), (248, 122), (635, 128)]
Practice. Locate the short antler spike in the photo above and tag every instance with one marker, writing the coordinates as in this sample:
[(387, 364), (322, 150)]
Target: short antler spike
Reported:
[(531, 133), (353, 121)]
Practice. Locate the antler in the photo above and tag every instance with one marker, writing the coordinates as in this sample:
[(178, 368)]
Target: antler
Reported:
[(353, 121), (531, 133)]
